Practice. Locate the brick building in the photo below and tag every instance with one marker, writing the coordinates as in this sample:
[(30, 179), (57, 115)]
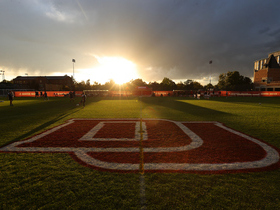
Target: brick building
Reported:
[(44, 82), (267, 73)]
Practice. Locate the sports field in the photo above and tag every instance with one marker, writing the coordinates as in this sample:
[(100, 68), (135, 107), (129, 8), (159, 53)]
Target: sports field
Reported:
[(140, 153)]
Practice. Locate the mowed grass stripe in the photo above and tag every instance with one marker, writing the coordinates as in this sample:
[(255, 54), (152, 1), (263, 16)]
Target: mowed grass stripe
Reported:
[(55, 181)]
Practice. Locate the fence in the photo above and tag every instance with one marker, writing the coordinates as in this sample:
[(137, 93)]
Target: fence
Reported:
[(41, 93), (147, 93)]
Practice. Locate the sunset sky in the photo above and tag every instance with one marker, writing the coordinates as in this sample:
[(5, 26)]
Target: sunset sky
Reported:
[(129, 39)]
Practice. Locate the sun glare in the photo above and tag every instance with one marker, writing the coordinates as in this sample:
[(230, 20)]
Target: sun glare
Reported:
[(118, 69)]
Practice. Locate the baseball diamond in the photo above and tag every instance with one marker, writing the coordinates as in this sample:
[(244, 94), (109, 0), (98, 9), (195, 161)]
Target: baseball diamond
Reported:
[(168, 146)]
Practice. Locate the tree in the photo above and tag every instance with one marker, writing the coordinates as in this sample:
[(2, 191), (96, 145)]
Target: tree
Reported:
[(96, 86), (181, 86), (187, 82), (221, 82), (154, 85), (88, 87), (209, 86), (192, 85), (168, 84), (247, 84), (110, 85), (195, 85), (138, 82), (74, 82), (233, 81), (80, 86)]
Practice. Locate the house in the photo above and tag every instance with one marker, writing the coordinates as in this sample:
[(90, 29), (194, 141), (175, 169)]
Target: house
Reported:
[(267, 73), (44, 82)]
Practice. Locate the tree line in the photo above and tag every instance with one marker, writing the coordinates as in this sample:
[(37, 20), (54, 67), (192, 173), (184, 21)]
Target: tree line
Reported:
[(230, 81)]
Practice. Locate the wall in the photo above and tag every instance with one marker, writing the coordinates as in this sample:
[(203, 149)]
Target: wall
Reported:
[(49, 93), (158, 93)]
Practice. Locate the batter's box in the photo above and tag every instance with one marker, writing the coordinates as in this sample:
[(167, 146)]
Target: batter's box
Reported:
[(103, 130)]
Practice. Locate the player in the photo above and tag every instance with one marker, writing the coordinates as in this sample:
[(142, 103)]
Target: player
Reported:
[(11, 97), (46, 96), (83, 101), (71, 96)]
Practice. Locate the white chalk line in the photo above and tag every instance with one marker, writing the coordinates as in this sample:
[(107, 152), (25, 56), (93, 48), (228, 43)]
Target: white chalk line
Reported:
[(272, 156)]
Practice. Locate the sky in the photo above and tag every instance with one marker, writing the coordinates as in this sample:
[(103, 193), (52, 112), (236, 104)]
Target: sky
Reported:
[(129, 39)]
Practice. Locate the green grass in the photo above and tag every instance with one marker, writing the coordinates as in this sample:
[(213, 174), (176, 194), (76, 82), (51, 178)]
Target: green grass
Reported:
[(55, 181)]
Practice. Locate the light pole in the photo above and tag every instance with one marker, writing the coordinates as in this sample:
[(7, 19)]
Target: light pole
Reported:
[(3, 76), (210, 62), (73, 60)]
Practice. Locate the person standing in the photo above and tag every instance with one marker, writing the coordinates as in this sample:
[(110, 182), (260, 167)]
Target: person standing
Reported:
[(83, 101), (46, 96), (11, 97), (71, 96)]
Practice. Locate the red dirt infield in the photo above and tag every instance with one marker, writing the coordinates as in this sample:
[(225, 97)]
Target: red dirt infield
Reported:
[(168, 146)]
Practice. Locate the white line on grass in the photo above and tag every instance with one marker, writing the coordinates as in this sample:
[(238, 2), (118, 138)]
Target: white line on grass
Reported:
[(142, 192), (141, 167)]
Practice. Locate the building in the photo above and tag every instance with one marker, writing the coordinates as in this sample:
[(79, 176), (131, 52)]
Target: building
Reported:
[(44, 82), (142, 91), (267, 73)]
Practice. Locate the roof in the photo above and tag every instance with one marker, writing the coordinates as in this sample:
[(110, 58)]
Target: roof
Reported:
[(142, 88), (36, 77), (274, 53), (271, 62)]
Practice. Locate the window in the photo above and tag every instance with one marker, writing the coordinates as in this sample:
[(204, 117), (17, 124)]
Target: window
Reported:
[(269, 89), (277, 89), (256, 65)]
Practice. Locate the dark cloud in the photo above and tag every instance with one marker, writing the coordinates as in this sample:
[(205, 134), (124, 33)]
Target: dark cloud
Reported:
[(173, 38)]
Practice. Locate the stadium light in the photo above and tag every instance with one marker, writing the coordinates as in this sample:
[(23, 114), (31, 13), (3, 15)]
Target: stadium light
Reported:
[(210, 62), (73, 60)]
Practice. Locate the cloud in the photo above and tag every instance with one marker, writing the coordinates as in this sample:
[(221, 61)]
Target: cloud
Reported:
[(166, 38)]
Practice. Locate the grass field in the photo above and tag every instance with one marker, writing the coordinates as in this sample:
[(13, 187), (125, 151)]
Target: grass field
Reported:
[(55, 181)]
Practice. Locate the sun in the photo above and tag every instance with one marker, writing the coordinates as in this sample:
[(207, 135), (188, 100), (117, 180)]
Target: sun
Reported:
[(118, 69)]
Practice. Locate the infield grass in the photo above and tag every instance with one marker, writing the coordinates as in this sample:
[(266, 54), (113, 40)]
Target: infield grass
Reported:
[(56, 181)]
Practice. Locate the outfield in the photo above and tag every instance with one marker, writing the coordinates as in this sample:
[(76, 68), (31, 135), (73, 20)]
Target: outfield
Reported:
[(56, 181)]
